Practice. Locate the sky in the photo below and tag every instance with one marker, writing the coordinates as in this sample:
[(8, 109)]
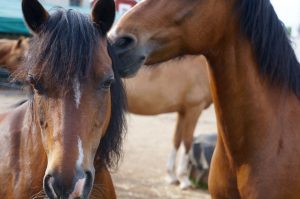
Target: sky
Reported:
[(289, 12)]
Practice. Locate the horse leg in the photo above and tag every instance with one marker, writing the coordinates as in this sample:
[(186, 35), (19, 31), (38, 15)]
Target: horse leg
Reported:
[(171, 177), (103, 186), (189, 122)]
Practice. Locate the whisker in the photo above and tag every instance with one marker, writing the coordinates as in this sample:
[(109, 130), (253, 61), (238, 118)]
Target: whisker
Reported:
[(40, 194)]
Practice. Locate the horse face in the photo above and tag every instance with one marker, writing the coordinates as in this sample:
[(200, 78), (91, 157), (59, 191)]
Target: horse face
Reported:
[(158, 30), (72, 96), (72, 125)]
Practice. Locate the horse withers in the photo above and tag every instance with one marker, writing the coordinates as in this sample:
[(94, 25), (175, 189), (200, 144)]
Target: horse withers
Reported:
[(60, 143), (255, 84)]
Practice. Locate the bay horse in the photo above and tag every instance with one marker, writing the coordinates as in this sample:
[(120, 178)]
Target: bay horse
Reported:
[(12, 52), (164, 89), (254, 79), (61, 142)]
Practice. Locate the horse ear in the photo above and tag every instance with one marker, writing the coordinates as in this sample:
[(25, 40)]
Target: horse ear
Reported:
[(20, 42), (34, 14), (103, 14)]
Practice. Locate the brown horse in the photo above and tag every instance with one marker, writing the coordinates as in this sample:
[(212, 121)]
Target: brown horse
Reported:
[(255, 84), (12, 52), (60, 143), (164, 89)]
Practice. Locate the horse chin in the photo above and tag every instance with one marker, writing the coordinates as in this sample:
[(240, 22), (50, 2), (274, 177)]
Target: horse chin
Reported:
[(130, 65)]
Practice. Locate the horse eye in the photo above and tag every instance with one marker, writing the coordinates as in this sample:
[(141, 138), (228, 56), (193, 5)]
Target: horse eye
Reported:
[(107, 83), (35, 84)]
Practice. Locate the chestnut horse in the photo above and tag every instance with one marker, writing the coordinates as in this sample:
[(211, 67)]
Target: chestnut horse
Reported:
[(60, 143), (12, 52), (165, 89), (255, 84)]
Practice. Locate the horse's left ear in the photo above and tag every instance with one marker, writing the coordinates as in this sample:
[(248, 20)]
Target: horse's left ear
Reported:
[(103, 14)]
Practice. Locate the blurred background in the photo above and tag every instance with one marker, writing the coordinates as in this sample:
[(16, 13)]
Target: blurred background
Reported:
[(148, 144), (289, 12)]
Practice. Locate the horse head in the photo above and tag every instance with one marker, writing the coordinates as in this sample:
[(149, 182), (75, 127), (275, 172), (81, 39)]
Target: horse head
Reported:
[(77, 96)]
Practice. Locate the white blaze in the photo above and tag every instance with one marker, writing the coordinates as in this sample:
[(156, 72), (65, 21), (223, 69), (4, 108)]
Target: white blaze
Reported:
[(80, 153), (79, 186), (78, 189), (77, 93)]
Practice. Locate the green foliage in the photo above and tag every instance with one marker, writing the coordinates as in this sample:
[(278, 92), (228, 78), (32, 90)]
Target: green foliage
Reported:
[(199, 185)]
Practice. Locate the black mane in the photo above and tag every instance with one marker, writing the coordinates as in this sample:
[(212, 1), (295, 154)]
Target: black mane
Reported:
[(63, 50), (111, 144), (272, 47)]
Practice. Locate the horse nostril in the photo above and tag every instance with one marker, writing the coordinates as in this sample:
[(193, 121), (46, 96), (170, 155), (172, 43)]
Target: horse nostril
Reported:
[(89, 180), (49, 186), (125, 42)]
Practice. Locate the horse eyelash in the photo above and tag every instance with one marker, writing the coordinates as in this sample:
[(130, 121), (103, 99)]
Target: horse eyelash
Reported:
[(111, 80), (36, 84)]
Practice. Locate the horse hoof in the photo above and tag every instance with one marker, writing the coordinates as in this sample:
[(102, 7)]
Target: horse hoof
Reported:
[(171, 179), (185, 184)]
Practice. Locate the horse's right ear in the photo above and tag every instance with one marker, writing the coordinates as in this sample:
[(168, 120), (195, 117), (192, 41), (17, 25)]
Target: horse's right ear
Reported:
[(34, 14)]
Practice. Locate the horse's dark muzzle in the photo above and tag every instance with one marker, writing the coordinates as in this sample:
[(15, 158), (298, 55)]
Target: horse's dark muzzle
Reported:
[(77, 188)]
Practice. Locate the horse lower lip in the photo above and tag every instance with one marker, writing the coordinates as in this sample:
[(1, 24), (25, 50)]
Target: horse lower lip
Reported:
[(133, 67)]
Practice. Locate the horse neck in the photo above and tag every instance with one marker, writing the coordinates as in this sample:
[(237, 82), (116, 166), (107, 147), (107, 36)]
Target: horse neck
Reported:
[(28, 162), (32, 139), (251, 112)]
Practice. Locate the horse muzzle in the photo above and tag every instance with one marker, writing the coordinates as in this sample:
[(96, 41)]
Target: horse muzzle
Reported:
[(130, 54), (78, 187)]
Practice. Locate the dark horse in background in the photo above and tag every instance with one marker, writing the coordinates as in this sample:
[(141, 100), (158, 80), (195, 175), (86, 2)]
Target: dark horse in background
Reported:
[(255, 83), (60, 143)]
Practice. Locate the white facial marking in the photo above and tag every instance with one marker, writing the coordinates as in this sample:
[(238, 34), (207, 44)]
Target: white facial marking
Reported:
[(80, 153), (78, 189), (50, 182), (77, 93)]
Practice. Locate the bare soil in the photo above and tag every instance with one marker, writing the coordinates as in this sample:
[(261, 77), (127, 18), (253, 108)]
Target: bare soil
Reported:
[(147, 145)]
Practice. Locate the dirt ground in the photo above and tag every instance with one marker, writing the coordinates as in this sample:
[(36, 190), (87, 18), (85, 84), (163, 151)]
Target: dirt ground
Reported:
[(147, 145), (146, 148)]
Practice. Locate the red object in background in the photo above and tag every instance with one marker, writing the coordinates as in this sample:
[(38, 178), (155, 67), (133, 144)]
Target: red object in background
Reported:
[(119, 3)]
